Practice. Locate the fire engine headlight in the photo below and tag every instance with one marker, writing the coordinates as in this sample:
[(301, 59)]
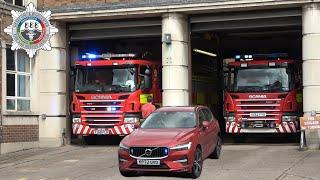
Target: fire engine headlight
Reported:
[(289, 118), (76, 119), (182, 147), (230, 118), (131, 120)]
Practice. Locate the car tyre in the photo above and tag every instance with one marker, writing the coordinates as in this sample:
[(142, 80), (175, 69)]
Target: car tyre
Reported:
[(197, 164), (217, 150), (128, 173)]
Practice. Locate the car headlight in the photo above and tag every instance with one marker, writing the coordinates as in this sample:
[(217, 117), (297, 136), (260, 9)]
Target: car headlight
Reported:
[(131, 120), (181, 147), (123, 147), (289, 118), (76, 119)]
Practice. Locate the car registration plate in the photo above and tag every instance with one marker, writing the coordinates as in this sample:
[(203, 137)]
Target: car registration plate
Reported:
[(148, 162), (258, 114), (101, 131)]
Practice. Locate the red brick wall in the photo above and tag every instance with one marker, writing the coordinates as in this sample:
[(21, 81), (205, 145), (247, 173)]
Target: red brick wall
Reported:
[(19, 133), (7, 20)]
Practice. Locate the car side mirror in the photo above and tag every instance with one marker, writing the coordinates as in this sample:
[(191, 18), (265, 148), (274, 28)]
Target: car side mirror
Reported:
[(205, 124), (136, 126)]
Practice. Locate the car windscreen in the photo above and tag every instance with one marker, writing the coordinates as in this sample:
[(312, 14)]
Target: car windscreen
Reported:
[(163, 120)]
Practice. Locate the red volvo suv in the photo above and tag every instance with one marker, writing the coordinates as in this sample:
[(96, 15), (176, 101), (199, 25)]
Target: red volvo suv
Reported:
[(173, 139)]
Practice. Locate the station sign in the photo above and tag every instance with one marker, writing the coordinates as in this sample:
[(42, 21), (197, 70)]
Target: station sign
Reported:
[(310, 122)]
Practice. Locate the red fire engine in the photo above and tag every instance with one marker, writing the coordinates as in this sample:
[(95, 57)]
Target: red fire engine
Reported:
[(263, 94), (109, 90)]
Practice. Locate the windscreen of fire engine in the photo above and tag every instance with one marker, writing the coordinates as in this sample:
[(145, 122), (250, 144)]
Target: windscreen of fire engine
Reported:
[(163, 120), (104, 79), (261, 80)]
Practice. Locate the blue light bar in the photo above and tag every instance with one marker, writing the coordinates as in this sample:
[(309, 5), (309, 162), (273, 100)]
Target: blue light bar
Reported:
[(89, 56), (273, 56), (107, 56)]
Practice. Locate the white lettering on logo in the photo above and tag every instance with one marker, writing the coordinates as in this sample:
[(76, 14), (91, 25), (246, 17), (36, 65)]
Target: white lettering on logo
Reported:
[(101, 97), (258, 96)]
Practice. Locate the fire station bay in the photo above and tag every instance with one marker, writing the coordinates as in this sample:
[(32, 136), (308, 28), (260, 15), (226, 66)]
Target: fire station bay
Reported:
[(228, 55)]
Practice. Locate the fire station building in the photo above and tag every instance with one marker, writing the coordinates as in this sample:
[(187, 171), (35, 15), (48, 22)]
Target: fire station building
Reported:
[(35, 94)]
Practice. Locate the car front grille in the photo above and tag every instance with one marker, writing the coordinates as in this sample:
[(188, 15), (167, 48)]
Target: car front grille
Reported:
[(149, 152)]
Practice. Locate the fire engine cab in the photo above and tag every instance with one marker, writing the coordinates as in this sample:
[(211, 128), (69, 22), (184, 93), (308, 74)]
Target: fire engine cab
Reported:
[(263, 94), (109, 90)]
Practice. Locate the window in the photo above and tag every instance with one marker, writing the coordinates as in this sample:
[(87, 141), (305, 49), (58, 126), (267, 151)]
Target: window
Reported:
[(208, 114), (18, 74), (15, 2), (202, 117)]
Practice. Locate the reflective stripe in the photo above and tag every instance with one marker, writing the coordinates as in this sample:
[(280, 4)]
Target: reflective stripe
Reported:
[(116, 129)]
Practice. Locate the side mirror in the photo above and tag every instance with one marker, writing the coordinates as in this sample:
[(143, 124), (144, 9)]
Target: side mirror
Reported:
[(136, 126), (147, 79), (205, 124)]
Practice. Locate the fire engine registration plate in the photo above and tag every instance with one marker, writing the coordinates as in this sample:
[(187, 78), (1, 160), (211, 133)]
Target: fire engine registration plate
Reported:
[(148, 162), (101, 131), (258, 114)]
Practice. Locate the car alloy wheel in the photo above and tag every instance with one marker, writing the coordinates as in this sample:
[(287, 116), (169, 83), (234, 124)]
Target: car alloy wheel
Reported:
[(216, 153), (197, 164)]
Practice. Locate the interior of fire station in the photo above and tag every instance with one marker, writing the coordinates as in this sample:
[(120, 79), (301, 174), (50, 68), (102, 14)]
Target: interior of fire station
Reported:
[(192, 48), (211, 42)]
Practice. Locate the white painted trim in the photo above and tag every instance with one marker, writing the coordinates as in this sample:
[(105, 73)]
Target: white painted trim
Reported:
[(3, 79), (16, 73), (20, 120), (17, 146), (192, 8)]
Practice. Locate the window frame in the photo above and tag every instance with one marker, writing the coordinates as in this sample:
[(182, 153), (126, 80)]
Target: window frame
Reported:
[(200, 111), (16, 74), (14, 3)]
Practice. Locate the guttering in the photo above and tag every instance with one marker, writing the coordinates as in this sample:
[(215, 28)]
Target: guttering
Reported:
[(184, 8)]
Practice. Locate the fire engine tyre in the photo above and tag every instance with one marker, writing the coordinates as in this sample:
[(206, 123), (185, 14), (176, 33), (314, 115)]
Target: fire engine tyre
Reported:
[(197, 164), (216, 153), (239, 138), (89, 140), (128, 173)]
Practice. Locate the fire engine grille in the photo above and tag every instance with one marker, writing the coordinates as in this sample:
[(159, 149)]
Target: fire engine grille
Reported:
[(101, 113), (255, 105), (149, 152)]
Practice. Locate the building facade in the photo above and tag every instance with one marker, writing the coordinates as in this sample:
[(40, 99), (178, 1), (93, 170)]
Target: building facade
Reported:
[(35, 93)]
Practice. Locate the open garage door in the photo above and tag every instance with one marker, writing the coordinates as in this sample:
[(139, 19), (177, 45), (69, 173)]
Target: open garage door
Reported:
[(285, 18), (227, 34), (132, 28)]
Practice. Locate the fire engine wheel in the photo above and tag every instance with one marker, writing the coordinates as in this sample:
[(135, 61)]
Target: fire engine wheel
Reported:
[(128, 173), (239, 138), (89, 140), (216, 153), (197, 164)]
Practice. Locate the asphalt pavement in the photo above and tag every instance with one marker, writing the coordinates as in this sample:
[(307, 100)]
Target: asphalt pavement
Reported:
[(244, 161)]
